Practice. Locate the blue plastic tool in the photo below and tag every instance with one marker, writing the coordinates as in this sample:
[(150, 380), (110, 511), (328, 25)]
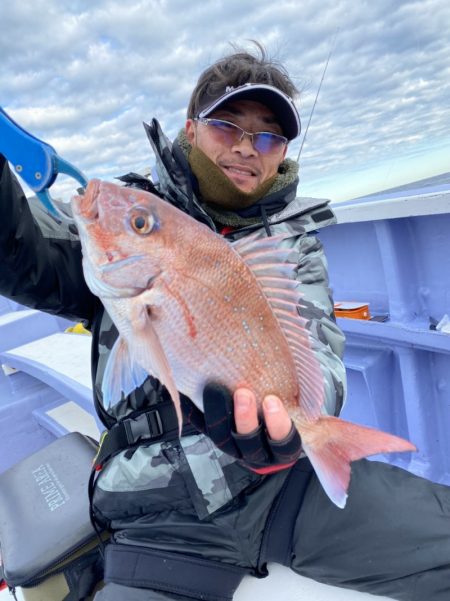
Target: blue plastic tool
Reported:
[(35, 161)]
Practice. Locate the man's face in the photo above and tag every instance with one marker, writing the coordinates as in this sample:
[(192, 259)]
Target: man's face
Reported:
[(240, 162)]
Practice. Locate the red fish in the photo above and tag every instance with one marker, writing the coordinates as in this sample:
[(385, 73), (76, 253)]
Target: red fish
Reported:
[(191, 308)]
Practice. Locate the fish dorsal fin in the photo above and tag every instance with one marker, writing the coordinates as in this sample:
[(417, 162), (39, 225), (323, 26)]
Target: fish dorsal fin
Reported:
[(274, 267)]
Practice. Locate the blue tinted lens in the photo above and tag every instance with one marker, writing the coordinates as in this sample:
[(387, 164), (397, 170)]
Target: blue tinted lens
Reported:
[(230, 132), (266, 142)]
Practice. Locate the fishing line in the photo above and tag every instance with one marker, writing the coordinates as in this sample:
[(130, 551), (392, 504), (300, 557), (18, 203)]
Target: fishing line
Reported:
[(317, 95)]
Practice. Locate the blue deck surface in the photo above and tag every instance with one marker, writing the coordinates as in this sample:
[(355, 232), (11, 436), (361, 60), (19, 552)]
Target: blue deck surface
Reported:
[(21, 394), (21, 435), (399, 369)]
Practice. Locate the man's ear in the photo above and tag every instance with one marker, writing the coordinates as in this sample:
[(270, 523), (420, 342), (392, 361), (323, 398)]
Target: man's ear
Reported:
[(190, 131)]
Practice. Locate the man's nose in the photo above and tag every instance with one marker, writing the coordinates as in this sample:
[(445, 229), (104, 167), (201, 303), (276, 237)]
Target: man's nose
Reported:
[(244, 146)]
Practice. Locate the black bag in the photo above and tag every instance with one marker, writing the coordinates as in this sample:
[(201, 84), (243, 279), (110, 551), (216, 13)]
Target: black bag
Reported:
[(47, 543)]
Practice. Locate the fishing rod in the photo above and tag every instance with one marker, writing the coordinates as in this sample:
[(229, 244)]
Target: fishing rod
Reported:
[(317, 95)]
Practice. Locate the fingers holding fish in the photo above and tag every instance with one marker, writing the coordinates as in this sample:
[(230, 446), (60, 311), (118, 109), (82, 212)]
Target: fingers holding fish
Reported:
[(269, 443), (245, 411), (225, 423), (266, 442), (275, 416)]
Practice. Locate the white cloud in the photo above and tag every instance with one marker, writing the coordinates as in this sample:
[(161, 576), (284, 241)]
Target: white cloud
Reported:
[(83, 76)]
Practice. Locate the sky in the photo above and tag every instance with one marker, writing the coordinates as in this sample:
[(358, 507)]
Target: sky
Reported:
[(84, 75)]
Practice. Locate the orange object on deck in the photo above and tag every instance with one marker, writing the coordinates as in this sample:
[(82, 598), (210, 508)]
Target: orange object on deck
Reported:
[(352, 309)]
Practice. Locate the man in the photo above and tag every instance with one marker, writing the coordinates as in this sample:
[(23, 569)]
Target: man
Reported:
[(223, 146), (190, 517)]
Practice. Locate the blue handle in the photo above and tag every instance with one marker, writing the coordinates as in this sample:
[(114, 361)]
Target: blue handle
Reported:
[(35, 161), (31, 158)]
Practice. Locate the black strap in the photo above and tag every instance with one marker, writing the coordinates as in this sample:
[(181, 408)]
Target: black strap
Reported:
[(277, 543), (186, 575), (156, 424)]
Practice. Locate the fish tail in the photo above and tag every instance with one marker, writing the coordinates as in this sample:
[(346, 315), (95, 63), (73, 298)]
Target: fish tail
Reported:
[(332, 444)]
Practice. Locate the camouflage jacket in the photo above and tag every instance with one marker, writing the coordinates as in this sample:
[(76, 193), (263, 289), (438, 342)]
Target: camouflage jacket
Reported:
[(45, 272)]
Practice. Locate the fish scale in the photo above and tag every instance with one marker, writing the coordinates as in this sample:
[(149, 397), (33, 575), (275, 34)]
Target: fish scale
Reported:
[(245, 348), (190, 308)]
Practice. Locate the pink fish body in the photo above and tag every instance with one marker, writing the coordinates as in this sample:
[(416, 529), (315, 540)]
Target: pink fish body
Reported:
[(190, 309)]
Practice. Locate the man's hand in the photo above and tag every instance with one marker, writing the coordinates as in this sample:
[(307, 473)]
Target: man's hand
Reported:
[(233, 424), (276, 418)]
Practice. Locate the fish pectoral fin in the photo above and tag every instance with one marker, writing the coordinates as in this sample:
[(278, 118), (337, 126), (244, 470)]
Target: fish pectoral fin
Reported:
[(147, 347), (332, 444), (122, 374)]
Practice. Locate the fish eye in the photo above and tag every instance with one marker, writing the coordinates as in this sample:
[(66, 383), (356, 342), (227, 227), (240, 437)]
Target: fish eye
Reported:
[(141, 221)]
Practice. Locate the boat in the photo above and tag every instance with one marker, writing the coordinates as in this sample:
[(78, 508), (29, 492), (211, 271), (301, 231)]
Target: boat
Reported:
[(390, 275)]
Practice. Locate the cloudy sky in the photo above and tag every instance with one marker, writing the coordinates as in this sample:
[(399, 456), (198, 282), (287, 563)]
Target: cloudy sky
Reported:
[(84, 75)]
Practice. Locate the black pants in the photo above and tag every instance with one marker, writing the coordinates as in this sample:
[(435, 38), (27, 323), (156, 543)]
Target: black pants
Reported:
[(392, 539)]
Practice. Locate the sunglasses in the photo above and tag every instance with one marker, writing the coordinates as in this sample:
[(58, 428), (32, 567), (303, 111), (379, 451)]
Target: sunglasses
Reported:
[(228, 133)]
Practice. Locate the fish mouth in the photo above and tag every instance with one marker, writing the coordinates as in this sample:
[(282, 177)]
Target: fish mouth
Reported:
[(111, 289), (113, 265)]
